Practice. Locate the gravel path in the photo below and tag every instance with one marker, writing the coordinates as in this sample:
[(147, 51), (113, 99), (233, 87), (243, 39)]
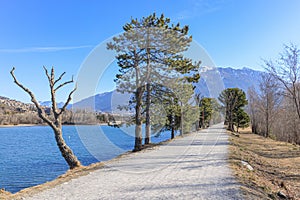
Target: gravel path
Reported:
[(191, 167)]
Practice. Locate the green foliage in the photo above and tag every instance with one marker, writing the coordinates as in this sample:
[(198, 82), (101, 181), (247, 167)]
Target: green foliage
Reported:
[(155, 46), (209, 109), (150, 56), (181, 108), (233, 99), (241, 119)]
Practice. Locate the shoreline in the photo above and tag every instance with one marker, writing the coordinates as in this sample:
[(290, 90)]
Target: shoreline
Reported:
[(83, 171), (32, 125), (197, 173), (20, 125)]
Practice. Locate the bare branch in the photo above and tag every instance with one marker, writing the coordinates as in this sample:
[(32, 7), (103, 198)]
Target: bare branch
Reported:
[(63, 84), (59, 78), (47, 74), (52, 74), (41, 111), (63, 109)]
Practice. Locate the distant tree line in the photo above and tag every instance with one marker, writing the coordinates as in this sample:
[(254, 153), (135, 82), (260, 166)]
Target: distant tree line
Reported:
[(275, 107), (78, 116)]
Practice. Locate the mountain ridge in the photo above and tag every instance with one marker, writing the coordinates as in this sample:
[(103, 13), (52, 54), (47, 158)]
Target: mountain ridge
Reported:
[(243, 78)]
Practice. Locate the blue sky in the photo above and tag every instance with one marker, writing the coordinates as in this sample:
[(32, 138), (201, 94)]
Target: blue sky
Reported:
[(236, 33)]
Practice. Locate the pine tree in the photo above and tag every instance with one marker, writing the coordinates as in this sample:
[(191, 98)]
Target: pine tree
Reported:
[(232, 99), (150, 53), (241, 119), (209, 107)]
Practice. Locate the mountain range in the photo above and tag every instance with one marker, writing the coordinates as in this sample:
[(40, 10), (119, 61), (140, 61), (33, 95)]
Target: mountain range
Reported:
[(213, 81)]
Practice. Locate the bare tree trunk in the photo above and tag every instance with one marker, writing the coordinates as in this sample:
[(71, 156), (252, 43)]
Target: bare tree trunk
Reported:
[(65, 150), (55, 124), (267, 123)]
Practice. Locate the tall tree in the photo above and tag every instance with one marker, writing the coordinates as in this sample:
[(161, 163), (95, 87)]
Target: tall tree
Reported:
[(158, 45), (287, 71), (253, 109), (206, 111), (178, 108), (232, 99), (161, 53), (56, 123), (269, 100), (189, 111)]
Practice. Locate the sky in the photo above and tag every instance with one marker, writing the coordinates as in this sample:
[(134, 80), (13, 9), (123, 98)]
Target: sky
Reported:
[(62, 34)]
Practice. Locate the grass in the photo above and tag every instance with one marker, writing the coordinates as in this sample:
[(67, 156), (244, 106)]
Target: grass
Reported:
[(276, 166)]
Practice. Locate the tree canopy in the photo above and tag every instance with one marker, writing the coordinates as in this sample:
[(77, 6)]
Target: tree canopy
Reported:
[(233, 99)]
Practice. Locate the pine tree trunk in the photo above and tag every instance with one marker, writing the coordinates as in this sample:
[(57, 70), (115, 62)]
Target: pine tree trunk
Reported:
[(148, 117), (230, 126), (65, 150), (172, 133), (230, 122), (181, 120), (138, 120), (138, 137)]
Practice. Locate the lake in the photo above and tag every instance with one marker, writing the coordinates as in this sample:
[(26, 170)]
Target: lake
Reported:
[(29, 155)]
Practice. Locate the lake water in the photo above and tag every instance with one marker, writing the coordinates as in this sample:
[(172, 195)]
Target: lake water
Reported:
[(29, 155)]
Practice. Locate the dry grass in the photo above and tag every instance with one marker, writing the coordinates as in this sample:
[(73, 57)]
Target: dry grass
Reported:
[(276, 166)]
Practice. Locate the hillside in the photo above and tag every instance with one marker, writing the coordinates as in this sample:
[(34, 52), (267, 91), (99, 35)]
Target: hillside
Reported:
[(10, 106), (241, 78), (14, 112)]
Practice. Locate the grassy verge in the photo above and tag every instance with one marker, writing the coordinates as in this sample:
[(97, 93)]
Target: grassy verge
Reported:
[(276, 166)]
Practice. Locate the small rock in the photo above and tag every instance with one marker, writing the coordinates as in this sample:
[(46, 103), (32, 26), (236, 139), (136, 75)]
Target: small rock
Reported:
[(244, 163), (281, 195), (247, 165)]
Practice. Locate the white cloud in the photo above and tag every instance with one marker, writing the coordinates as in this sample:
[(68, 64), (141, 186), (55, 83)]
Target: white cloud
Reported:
[(43, 49), (200, 7)]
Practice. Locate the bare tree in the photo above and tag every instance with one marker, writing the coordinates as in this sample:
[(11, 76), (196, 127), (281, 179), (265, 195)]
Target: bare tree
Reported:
[(269, 101), (56, 123), (287, 71), (253, 109)]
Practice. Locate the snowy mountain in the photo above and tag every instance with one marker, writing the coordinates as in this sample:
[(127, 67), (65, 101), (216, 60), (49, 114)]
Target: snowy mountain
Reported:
[(212, 82), (104, 102), (49, 104), (241, 78)]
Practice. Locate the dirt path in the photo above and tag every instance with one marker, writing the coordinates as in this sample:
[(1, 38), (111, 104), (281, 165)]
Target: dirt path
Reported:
[(192, 167)]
